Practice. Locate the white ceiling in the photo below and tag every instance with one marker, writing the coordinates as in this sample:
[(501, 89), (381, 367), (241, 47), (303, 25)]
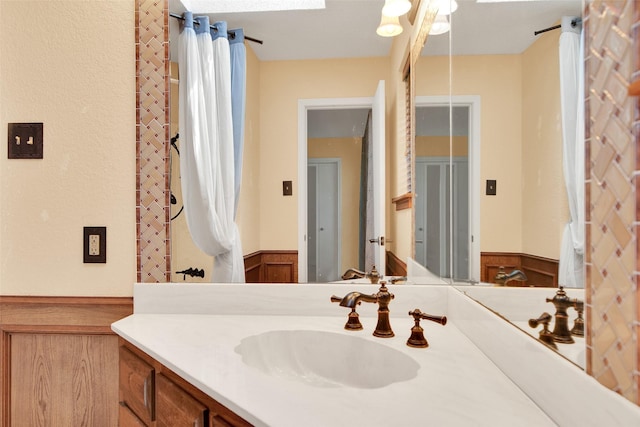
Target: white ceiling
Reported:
[(347, 29)]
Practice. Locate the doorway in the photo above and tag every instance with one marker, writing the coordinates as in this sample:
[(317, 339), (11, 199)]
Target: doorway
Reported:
[(458, 206), (376, 105)]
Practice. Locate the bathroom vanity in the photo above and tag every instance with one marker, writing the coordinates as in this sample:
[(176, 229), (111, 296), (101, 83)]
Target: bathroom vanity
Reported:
[(278, 355)]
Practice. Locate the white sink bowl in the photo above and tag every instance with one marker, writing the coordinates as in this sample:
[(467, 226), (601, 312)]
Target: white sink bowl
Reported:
[(327, 359)]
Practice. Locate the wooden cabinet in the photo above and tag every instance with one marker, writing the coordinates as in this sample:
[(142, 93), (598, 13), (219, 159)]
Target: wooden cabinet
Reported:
[(154, 396)]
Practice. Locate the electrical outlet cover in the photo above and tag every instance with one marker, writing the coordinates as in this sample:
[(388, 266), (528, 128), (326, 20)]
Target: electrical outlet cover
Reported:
[(95, 245)]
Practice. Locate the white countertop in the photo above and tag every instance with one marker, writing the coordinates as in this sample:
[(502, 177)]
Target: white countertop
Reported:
[(453, 374), (478, 370), (456, 385)]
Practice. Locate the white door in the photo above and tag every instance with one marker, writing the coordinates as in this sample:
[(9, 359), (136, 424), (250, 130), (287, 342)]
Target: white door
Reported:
[(377, 104), (323, 183), (378, 138)]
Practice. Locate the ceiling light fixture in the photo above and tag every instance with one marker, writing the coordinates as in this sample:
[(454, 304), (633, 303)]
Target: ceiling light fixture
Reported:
[(389, 26), (396, 7), (439, 26), (447, 7)]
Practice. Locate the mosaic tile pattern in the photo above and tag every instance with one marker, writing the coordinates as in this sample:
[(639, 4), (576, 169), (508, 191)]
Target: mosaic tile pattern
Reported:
[(152, 78), (612, 211)]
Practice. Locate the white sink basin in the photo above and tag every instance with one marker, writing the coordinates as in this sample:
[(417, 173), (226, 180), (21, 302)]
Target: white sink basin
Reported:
[(327, 359)]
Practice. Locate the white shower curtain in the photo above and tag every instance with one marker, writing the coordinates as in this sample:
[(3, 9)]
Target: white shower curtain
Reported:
[(207, 159), (571, 269)]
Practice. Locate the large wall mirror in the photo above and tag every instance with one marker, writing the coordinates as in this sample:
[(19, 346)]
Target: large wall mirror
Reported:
[(489, 180)]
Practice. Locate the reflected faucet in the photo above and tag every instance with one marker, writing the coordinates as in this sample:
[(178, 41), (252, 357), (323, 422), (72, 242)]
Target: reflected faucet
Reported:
[(352, 273), (502, 278), (383, 297)]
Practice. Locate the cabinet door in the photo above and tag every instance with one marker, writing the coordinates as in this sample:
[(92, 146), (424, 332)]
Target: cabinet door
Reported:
[(127, 418), (137, 385), (175, 407)]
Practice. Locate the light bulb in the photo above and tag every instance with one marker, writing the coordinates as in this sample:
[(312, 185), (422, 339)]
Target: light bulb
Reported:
[(447, 7), (440, 25), (389, 26), (396, 7)]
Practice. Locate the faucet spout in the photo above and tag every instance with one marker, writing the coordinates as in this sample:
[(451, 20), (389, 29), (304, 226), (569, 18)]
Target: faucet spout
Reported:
[(352, 299)]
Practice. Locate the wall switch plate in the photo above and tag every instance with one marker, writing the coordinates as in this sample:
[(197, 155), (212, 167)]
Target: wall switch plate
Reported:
[(25, 141), (491, 187), (95, 245), (287, 188)]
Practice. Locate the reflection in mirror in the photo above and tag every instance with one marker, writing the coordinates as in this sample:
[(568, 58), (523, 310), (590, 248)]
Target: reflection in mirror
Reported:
[(515, 75), (337, 181), (442, 190), (494, 55)]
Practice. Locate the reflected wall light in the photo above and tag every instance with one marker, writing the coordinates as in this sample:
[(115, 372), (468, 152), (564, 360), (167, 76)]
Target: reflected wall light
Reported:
[(396, 7), (440, 25), (389, 26)]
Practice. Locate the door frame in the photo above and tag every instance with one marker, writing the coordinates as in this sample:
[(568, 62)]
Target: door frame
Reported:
[(304, 106), (473, 102)]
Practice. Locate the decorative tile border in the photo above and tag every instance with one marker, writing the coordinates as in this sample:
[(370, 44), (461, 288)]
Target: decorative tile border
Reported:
[(152, 141), (613, 212)]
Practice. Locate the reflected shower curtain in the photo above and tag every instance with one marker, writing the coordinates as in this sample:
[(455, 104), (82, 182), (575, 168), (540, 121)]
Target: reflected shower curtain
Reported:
[(206, 161), (571, 272)]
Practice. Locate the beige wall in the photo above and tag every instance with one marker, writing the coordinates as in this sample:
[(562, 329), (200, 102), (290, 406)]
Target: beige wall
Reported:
[(57, 67), (349, 151), (513, 147), (544, 198), (282, 84)]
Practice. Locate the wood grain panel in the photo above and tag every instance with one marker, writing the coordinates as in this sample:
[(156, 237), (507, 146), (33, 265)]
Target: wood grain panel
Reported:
[(540, 271), (58, 360), (63, 380), (271, 266), (395, 267)]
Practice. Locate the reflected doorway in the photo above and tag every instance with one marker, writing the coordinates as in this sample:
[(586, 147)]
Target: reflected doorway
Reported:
[(447, 186)]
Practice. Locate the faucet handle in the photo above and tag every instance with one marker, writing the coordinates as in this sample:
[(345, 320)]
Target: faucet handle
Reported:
[(545, 334), (417, 338), (578, 324)]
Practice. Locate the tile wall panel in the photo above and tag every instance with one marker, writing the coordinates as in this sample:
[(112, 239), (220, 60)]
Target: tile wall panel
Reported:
[(613, 210), (152, 78)]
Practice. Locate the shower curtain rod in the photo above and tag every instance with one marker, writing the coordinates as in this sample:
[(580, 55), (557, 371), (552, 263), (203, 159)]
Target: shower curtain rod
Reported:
[(251, 39), (574, 22)]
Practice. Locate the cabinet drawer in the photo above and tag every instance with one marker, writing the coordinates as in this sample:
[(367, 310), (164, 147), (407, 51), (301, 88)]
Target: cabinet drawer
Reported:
[(137, 388), (175, 407)]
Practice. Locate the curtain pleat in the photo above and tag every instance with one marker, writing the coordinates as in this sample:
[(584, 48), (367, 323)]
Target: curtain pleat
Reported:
[(571, 268), (207, 153)]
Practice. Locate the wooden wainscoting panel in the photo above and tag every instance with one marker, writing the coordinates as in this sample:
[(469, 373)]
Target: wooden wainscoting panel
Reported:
[(64, 380), (540, 271), (252, 267), (59, 360), (395, 266), (271, 266), (490, 263)]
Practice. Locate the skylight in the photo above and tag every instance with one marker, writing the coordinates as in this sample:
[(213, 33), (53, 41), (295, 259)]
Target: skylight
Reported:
[(229, 6)]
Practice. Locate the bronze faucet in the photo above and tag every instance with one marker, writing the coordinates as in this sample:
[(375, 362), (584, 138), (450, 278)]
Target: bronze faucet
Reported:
[(352, 273), (578, 324), (502, 278), (417, 338), (383, 298), (561, 301)]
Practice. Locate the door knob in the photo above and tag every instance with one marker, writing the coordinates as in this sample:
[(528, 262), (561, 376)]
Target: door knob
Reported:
[(379, 240)]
